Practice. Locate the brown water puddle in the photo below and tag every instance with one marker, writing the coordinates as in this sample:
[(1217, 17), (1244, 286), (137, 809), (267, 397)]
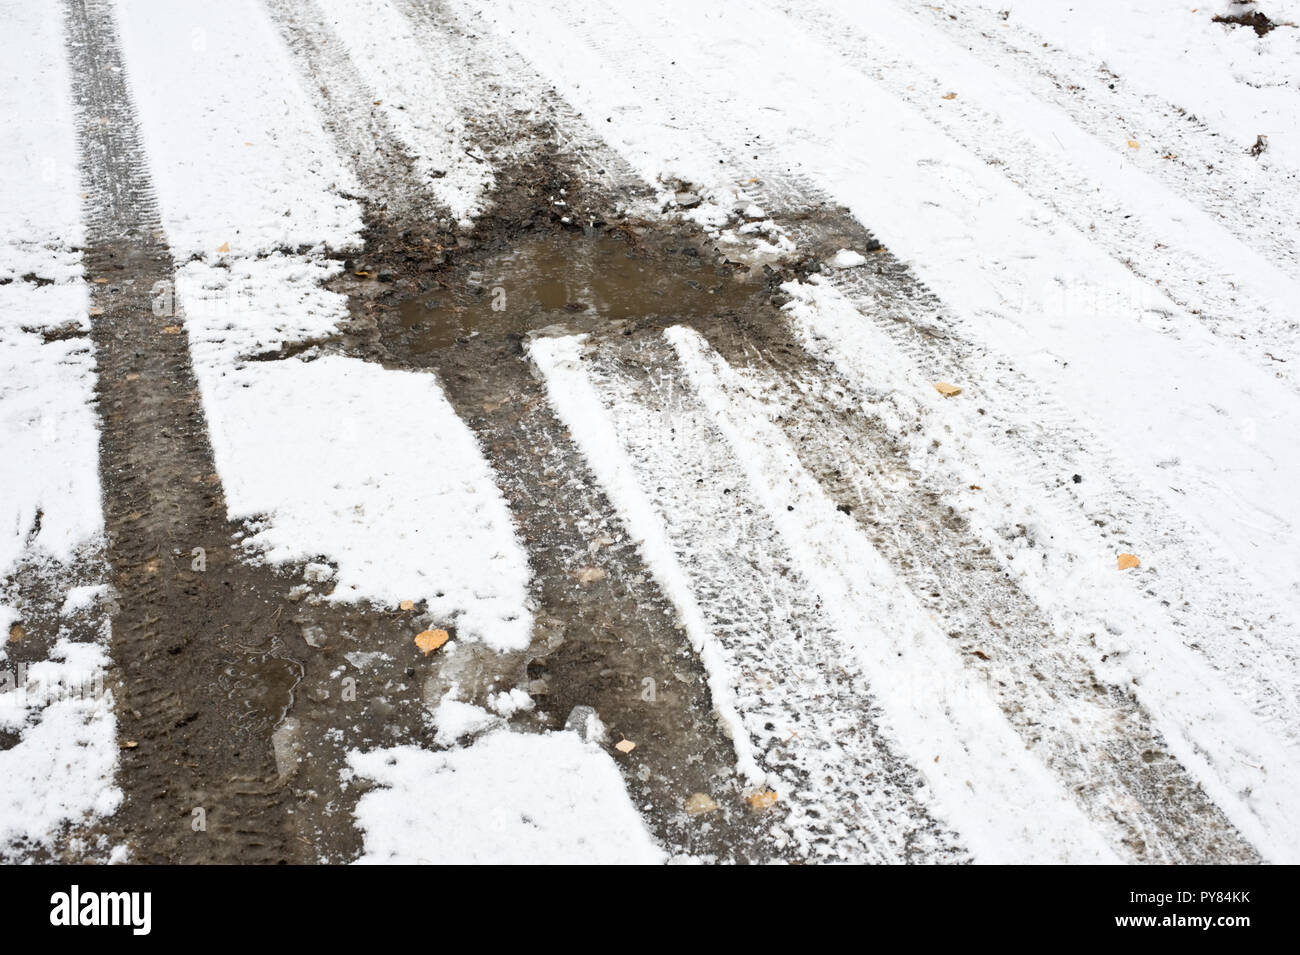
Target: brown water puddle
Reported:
[(572, 279)]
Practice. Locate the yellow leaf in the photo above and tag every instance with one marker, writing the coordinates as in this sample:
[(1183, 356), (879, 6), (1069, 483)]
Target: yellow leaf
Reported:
[(133, 376), (17, 634), (699, 803), (1128, 560), (763, 800), (625, 746), (225, 247), (950, 96), (946, 389), (171, 329), (431, 640), (407, 605), (1133, 144), (129, 744)]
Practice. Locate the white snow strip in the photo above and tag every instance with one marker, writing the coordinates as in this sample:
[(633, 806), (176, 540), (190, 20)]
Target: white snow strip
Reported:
[(579, 407), (1002, 801), (1249, 770), (509, 799), (49, 435), (238, 155), (61, 771), (373, 469), (40, 206)]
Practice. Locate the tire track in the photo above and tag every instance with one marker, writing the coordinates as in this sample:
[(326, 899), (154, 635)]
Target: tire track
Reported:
[(196, 739), (1091, 732), (1256, 200), (799, 700), (1220, 285), (598, 642)]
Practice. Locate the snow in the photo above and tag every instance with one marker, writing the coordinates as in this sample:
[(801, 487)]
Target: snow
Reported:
[(61, 771), (48, 427), (509, 799), (456, 719), (256, 172), (999, 797), (1243, 758), (374, 469), (416, 96), (40, 210), (579, 407), (83, 598), (846, 259)]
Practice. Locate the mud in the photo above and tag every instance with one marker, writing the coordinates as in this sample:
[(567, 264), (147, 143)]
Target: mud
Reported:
[(426, 303)]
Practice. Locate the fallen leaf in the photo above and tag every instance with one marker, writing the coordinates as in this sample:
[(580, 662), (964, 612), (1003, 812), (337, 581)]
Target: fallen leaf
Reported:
[(224, 247), (761, 801), (129, 744), (950, 96), (625, 746), (699, 803), (1128, 560), (1133, 144), (171, 329), (17, 634), (406, 605), (431, 640), (133, 376), (96, 310), (101, 281), (946, 389), (589, 575)]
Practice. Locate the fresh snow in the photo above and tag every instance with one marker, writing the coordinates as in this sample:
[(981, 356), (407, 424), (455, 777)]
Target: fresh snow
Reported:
[(508, 799)]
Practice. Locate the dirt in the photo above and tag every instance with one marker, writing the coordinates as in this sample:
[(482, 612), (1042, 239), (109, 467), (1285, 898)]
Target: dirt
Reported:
[(1255, 19)]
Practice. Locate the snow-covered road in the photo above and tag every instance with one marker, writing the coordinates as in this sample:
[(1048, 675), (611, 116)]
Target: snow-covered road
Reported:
[(307, 347)]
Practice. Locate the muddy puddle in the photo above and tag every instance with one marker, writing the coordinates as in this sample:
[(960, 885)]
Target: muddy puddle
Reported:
[(576, 280)]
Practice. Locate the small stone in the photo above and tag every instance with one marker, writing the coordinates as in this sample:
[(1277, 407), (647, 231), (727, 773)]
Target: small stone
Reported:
[(584, 721)]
